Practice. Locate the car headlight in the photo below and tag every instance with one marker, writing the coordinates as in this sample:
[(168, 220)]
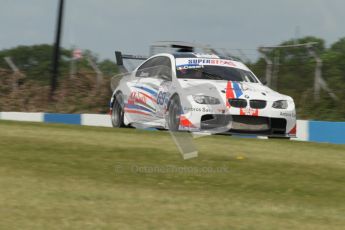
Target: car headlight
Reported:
[(281, 104), (202, 99)]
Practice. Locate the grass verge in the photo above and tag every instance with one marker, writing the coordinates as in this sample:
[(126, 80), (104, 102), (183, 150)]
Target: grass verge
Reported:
[(74, 177)]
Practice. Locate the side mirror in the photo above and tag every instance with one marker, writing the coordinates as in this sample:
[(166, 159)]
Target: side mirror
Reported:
[(264, 82)]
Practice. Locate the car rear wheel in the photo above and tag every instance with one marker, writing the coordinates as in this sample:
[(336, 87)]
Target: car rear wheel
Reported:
[(174, 113), (117, 113)]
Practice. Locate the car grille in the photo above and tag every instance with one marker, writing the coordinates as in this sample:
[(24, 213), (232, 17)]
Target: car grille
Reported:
[(257, 104), (242, 103), (238, 103), (244, 124), (249, 123)]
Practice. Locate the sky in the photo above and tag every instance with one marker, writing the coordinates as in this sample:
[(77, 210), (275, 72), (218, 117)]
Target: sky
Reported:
[(132, 25)]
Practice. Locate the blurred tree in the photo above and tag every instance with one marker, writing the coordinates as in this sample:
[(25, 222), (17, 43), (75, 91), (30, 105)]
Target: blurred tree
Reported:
[(109, 68), (35, 60), (296, 76)]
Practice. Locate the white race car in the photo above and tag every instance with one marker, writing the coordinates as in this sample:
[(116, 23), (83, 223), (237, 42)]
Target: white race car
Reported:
[(202, 93)]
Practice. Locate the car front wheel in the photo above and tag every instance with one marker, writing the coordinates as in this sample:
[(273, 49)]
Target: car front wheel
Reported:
[(174, 113)]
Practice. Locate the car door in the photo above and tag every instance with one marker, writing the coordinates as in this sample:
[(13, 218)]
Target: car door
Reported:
[(154, 77), (138, 107), (142, 99), (164, 84)]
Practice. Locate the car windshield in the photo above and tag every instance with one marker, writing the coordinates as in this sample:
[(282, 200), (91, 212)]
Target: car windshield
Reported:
[(215, 73)]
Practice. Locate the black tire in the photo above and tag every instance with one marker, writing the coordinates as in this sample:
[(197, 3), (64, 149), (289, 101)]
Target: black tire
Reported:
[(174, 112), (117, 113)]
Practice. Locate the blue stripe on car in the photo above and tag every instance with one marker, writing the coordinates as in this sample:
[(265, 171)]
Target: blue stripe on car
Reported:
[(152, 92), (237, 89)]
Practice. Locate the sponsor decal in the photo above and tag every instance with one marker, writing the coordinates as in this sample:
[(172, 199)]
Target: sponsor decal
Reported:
[(138, 103), (249, 112), (136, 97), (287, 114), (190, 67), (197, 109), (140, 98), (181, 62), (201, 61)]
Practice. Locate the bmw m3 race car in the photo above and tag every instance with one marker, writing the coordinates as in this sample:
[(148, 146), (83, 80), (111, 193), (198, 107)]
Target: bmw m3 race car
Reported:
[(201, 93)]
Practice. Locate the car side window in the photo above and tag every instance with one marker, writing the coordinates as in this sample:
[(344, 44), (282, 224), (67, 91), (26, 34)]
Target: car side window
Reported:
[(164, 70), (145, 70), (156, 67)]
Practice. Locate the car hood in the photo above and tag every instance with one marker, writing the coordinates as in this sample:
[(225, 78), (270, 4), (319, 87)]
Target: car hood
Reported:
[(246, 90)]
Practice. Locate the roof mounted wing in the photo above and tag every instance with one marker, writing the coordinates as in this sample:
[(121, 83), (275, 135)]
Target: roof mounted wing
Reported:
[(182, 47), (119, 59)]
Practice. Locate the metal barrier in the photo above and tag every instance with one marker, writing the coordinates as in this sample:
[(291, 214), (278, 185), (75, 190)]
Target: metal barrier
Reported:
[(314, 131)]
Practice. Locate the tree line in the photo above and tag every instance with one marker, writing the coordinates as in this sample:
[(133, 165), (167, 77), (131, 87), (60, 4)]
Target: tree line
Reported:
[(295, 75)]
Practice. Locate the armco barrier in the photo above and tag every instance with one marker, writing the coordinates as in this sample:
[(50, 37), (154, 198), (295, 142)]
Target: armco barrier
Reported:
[(315, 131), (72, 119), (323, 131), (18, 116), (302, 130), (96, 120)]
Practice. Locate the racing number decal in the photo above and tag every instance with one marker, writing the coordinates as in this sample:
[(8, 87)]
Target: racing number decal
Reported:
[(161, 97)]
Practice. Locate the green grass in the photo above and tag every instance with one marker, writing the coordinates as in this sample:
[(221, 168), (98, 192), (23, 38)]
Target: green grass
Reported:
[(73, 177)]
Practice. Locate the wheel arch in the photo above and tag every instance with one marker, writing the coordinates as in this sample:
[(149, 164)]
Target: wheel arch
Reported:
[(170, 99), (113, 98)]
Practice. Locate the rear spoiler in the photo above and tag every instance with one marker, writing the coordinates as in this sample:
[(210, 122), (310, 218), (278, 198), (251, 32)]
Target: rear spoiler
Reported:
[(119, 59)]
